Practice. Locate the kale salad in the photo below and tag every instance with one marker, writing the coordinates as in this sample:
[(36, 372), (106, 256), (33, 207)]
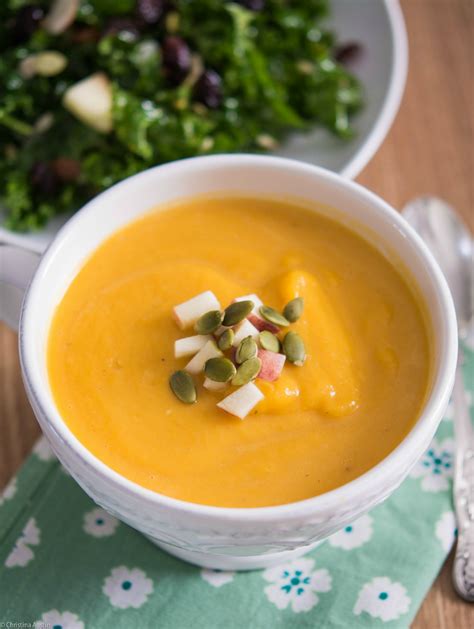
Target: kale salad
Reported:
[(92, 91)]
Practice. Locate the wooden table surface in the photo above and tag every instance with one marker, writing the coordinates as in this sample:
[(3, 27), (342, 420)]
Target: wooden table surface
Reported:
[(429, 150)]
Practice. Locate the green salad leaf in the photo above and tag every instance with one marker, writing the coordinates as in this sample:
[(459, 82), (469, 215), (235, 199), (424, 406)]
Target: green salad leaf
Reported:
[(186, 78)]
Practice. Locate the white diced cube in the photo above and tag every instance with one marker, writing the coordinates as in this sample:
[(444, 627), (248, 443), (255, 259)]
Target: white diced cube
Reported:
[(242, 401), (242, 330), (196, 364), (190, 345), (187, 313), (90, 100), (212, 385), (257, 302)]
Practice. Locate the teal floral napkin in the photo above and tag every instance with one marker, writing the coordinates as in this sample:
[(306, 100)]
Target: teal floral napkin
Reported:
[(67, 564)]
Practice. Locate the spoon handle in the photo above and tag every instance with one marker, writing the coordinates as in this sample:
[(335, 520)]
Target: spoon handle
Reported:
[(463, 568)]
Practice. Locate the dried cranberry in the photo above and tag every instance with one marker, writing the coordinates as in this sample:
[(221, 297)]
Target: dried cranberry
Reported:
[(347, 53), (121, 24), (66, 168), (43, 178), (208, 89), (252, 5), (150, 11), (176, 59), (81, 34), (27, 20)]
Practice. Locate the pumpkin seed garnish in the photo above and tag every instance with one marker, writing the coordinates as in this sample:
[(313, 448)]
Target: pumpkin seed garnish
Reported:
[(246, 350), (294, 309), (220, 369), (293, 348), (183, 387), (247, 371), (272, 315), (226, 339), (236, 312), (269, 341), (209, 322)]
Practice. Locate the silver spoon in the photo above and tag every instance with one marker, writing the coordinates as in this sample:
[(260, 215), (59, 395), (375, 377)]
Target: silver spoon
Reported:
[(450, 242)]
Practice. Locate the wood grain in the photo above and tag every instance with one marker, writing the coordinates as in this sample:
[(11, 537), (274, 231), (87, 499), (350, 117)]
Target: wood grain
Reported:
[(429, 150)]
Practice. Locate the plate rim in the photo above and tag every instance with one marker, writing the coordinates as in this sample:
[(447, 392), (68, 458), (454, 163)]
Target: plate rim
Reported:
[(393, 96), (360, 159)]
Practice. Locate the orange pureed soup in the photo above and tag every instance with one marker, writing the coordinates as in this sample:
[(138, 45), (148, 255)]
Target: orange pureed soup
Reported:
[(359, 392)]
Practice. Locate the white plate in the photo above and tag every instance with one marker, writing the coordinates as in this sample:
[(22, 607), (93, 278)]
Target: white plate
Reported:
[(382, 68), (379, 26)]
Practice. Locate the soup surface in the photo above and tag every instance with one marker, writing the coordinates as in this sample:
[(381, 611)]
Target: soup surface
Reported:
[(319, 426)]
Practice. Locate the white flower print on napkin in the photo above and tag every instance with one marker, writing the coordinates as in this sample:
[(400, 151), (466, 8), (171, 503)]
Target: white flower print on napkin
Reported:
[(217, 578), (99, 523), (446, 530), (9, 491), (126, 587), (382, 598), (22, 554), (59, 620), (435, 467), (296, 583), (354, 535), (43, 450)]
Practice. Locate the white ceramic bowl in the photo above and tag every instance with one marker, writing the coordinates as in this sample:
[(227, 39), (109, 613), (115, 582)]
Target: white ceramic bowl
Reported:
[(378, 25), (212, 536)]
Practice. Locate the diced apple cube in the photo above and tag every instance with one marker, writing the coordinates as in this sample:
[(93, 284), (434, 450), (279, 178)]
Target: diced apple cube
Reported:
[(190, 345), (187, 313), (212, 385), (242, 330), (196, 364), (90, 100), (272, 365), (242, 401), (262, 324), (257, 302)]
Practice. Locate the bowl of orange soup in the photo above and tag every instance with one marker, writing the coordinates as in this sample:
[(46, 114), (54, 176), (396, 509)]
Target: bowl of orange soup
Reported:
[(238, 355)]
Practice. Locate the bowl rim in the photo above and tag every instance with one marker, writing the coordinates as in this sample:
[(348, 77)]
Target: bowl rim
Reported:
[(422, 430), (377, 133)]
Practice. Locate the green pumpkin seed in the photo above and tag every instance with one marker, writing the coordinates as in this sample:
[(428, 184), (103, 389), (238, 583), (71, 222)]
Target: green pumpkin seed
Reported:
[(294, 309), (219, 369), (209, 322), (236, 312), (226, 339), (183, 387), (247, 371), (246, 350), (293, 348), (272, 315), (269, 341)]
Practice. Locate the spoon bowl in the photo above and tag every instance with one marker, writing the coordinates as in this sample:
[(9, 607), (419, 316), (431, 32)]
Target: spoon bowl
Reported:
[(450, 242)]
